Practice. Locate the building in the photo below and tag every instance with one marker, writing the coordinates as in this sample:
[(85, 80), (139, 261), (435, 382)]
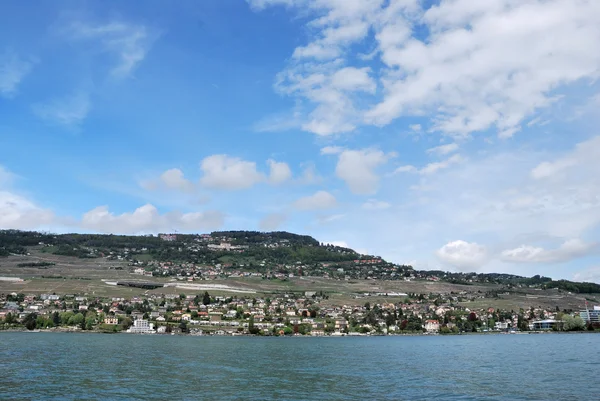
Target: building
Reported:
[(548, 324), (141, 326), (168, 237), (432, 326), (111, 320), (590, 315)]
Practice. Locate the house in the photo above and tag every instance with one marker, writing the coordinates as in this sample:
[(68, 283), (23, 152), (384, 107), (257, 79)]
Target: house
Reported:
[(111, 320), (432, 326), (341, 324)]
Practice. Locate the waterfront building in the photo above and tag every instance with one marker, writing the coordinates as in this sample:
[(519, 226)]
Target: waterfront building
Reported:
[(141, 326), (432, 326), (547, 324), (591, 315)]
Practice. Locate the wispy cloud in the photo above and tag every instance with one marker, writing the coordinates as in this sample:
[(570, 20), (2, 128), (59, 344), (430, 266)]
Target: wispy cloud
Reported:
[(129, 43), (68, 111), (12, 71)]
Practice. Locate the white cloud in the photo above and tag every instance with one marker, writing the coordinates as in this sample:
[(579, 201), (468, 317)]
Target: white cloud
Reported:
[(18, 212), (405, 169), (569, 250), (331, 150), (12, 71), (318, 201), (309, 175), (272, 221), (443, 149), (279, 172), (147, 219), (129, 43), (585, 153), (69, 111), (415, 127), (591, 275), (374, 204), (174, 179), (463, 255), (329, 218), (482, 66), (341, 244), (432, 168), (231, 173), (358, 169)]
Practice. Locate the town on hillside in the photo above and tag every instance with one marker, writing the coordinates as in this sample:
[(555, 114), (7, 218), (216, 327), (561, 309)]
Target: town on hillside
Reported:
[(305, 314), (263, 283)]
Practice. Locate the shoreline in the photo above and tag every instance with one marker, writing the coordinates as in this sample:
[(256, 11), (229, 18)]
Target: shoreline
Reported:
[(79, 331)]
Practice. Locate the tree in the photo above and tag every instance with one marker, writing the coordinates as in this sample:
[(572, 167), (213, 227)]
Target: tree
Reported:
[(9, 318), (573, 323), (30, 321), (183, 326), (251, 328), (56, 318), (206, 298), (76, 320)]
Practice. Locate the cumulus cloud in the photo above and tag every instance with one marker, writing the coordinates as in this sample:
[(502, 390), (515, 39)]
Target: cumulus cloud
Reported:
[(358, 169), (147, 219), (174, 179), (318, 201), (569, 250), (18, 212), (70, 110), (463, 255), (13, 69), (230, 173), (279, 172), (477, 67), (374, 204)]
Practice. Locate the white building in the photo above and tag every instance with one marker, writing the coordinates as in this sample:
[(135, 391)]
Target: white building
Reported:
[(432, 326), (141, 326), (590, 315)]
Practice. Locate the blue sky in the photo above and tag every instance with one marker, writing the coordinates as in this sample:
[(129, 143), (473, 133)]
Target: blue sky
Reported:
[(447, 134)]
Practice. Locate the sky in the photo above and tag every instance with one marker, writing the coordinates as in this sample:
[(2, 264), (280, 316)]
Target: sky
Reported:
[(449, 134)]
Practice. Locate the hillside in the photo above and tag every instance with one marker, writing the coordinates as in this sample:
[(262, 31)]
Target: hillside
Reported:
[(238, 253)]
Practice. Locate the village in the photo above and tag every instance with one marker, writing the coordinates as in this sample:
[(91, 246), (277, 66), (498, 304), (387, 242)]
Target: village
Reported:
[(307, 314)]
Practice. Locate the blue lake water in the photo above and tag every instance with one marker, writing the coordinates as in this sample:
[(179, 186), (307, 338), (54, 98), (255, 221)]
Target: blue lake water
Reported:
[(39, 366)]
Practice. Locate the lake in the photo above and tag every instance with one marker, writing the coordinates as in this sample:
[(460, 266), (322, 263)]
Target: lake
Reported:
[(70, 366)]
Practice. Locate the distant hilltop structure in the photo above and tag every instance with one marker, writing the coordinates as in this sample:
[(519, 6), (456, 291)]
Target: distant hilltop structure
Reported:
[(168, 237)]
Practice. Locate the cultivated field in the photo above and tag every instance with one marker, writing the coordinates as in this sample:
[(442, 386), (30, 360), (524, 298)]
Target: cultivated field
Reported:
[(72, 275)]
